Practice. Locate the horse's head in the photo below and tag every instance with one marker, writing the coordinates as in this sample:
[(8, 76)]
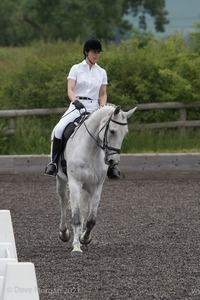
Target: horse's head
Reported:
[(112, 132)]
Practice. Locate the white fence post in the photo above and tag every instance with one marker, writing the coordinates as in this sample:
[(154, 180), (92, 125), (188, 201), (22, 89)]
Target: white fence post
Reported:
[(6, 231), (20, 282), (17, 280)]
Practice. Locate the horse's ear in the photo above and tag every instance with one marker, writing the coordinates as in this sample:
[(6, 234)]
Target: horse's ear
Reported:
[(117, 110), (130, 112)]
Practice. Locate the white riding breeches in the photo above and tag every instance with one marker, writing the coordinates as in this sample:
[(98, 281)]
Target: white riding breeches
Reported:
[(71, 114)]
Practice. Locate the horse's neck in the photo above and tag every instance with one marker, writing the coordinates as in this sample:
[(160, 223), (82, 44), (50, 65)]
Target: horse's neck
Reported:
[(83, 145), (93, 123), (91, 128), (95, 119)]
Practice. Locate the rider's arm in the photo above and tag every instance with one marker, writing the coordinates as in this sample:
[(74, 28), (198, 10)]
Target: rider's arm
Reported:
[(71, 89), (102, 95)]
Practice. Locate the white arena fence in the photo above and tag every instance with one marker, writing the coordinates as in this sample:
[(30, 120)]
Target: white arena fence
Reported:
[(129, 163)]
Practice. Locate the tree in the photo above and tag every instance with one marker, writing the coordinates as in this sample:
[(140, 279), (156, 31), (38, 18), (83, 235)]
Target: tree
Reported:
[(141, 8), (28, 20), (6, 14), (195, 36)]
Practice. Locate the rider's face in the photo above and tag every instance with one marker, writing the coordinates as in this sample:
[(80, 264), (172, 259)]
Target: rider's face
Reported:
[(93, 55)]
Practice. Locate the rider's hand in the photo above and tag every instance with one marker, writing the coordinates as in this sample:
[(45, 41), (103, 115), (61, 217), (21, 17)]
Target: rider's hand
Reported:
[(78, 104)]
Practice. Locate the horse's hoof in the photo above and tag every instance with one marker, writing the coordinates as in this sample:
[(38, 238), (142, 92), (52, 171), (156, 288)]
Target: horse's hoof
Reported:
[(76, 251), (64, 235), (85, 241)]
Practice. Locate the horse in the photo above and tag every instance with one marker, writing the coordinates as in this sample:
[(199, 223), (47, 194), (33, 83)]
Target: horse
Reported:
[(93, 147)]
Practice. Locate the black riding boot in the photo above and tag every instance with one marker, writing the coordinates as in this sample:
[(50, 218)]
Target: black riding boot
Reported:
[(113, 172), (52, 168)]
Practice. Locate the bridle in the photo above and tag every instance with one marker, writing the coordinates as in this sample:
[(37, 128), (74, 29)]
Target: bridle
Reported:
[(105, 145)]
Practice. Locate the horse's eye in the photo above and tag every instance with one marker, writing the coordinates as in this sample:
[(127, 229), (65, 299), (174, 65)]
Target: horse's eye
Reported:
[(112, 131)]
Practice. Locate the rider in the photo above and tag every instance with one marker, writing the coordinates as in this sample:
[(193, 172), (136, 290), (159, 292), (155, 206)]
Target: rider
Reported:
[(87, 83)]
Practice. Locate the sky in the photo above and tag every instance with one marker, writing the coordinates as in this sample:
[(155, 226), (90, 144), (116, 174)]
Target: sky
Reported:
[(182, 14)]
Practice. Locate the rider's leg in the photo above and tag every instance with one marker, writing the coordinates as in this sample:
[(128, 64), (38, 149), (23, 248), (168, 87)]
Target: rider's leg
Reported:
[(52, 168), (69, 116)]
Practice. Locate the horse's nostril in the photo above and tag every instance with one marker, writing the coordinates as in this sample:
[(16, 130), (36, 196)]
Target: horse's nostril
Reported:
[(111, 162)]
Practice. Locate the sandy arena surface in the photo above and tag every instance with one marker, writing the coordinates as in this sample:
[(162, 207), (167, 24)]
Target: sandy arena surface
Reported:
[(146, 243)]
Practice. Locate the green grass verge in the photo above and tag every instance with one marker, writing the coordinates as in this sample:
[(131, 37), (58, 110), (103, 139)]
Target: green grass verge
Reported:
[(162, 141), (32, 136)]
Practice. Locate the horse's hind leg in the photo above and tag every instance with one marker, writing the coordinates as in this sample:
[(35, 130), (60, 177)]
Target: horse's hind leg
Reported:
[(63, 193), (85, 238)]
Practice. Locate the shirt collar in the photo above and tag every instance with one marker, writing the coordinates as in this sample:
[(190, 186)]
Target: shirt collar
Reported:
[(85, 63)]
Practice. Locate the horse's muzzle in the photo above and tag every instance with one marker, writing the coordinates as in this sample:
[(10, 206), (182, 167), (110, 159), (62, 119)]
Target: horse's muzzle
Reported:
[(112, 155), (111, 162)]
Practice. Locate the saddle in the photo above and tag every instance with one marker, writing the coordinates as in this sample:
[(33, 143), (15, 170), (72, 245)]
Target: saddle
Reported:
[(69, 129)]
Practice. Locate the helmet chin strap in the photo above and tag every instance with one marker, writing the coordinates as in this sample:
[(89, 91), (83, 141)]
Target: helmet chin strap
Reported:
[(90, 61)]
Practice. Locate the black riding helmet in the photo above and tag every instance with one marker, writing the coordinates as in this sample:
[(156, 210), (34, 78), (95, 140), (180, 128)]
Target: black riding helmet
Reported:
[(92, 44)]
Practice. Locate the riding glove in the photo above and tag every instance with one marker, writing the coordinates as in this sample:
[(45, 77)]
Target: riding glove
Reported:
[(78, 104)]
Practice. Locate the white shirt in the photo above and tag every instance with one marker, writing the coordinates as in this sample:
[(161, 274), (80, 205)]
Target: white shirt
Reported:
[(88, 81)]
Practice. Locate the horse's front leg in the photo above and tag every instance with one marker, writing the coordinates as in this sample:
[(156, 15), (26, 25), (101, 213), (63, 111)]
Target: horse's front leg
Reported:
[(77, 219), (63, 193), (91, 220)]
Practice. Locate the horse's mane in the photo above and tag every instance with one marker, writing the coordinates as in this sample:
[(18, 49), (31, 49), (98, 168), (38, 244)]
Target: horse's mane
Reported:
[(107, 105)]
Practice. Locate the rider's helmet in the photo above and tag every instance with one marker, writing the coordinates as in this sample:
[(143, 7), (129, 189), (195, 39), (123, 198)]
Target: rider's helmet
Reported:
[(92, 44)]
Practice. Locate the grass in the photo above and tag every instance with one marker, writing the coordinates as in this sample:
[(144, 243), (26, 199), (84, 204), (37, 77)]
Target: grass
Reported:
[(32, 136), (162, 141)]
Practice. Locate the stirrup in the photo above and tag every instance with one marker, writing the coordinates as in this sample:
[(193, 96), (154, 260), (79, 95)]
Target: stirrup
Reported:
[(51, 169)]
